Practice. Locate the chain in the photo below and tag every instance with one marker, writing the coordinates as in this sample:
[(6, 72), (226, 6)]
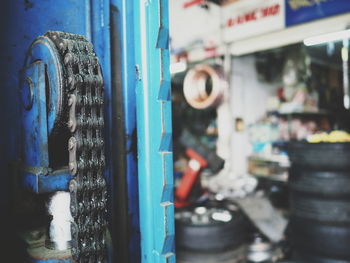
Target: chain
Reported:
[(84, 104)]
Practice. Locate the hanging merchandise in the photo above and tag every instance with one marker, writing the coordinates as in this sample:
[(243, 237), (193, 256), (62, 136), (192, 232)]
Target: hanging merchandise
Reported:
[(297, 95), (204, 86)]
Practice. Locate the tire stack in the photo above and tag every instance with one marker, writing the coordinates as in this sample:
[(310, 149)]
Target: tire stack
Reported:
[(211, 241), (319, 186)]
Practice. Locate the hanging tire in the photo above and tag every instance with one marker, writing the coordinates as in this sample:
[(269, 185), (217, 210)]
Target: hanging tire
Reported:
[(320, 156), (324, 240), (211, 235), (322, 183)]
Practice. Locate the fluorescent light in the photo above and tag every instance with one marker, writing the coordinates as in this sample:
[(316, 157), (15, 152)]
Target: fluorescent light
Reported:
[(331, 37), (178, 67)]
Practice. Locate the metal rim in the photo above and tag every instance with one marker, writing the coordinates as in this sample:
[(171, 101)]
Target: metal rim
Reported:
[(204, 215)]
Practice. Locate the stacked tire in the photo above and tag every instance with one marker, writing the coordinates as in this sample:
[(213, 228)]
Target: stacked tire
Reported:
[(211, 241), (319, 186)]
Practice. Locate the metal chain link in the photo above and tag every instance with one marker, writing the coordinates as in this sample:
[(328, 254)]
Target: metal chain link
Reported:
[(84, 99)]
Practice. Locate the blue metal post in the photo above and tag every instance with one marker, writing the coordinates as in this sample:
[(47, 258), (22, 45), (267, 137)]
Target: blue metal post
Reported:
[(155, 168), (21, 22)]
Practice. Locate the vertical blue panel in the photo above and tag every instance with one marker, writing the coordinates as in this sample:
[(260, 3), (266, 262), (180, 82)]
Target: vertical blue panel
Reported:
[(154, 131), (21, 22), (298, 12)]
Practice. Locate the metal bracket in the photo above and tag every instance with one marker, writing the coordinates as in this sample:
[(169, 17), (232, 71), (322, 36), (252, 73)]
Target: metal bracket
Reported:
[(36, 176), (41, 180), (34, 118)]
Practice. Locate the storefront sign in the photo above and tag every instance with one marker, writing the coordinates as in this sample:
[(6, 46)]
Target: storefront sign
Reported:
[(301, 11), (250, 18), (193, 25)]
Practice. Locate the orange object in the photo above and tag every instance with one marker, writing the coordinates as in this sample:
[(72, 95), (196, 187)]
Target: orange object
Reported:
[(195, 165), (192, 3)]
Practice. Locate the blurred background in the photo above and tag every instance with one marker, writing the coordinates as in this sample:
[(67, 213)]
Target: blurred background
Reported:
[(260, 94), (246, 160)]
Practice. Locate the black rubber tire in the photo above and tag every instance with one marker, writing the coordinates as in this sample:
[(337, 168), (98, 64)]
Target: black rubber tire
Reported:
[(320, 156), (321, 183), (231, 256), (308, 258), (212, 237), (330, 241), (320, 209)]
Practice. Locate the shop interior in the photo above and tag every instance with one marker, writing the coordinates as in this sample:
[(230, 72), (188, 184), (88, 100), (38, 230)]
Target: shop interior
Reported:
[(261, 142), (164, 131)]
